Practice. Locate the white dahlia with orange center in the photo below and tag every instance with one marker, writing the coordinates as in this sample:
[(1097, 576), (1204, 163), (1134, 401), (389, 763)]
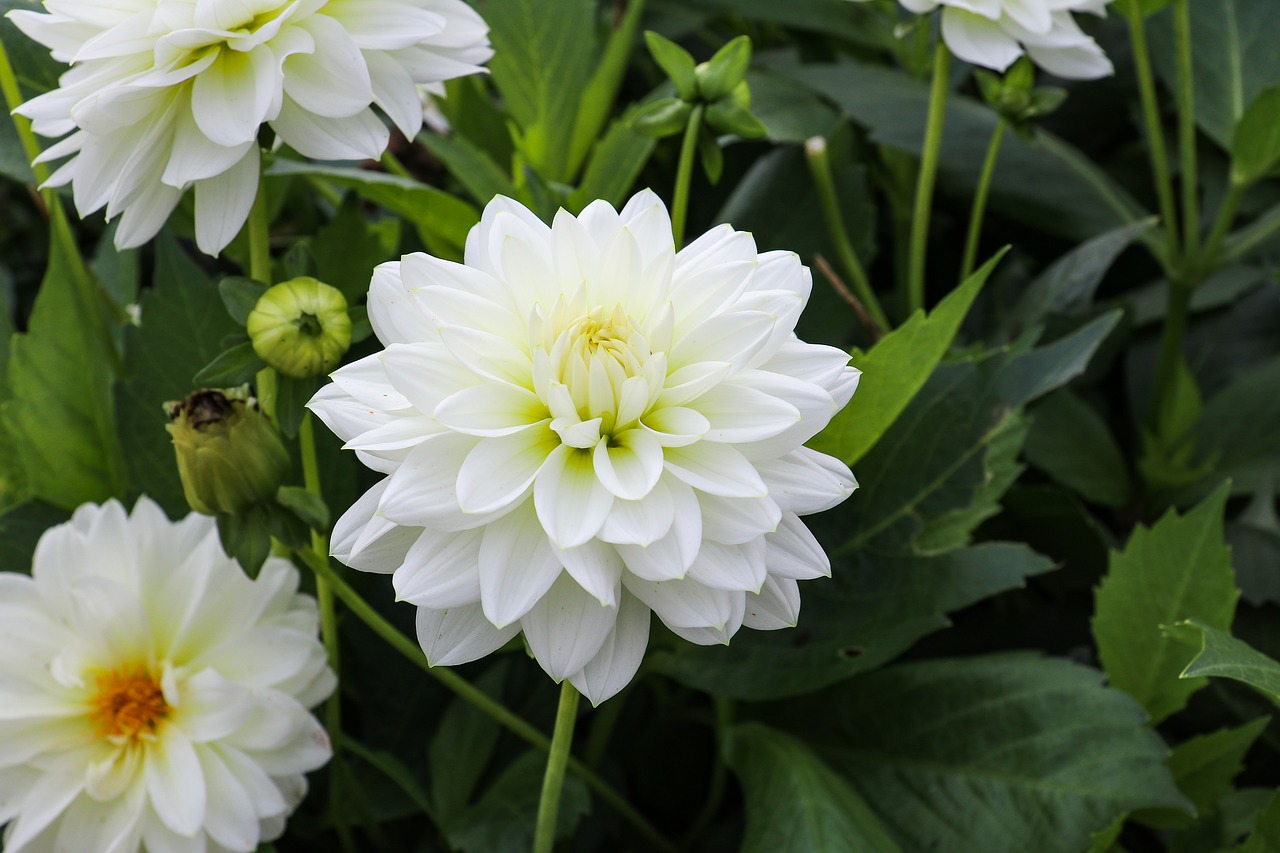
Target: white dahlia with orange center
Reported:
[(580, 426), (164, 95), (152, 695)]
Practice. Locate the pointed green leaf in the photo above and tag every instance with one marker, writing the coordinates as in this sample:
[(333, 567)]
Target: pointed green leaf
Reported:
[(1265, 837), (1255, 147), (795, 803), (1204, 768), (1073, 444), (718, 76), (232, 367), (1012, 752), (479, 175), (1179, 569), (1223, 655), (895, 369), (675, 62), (873, 608), (60, 412), (240, 295)]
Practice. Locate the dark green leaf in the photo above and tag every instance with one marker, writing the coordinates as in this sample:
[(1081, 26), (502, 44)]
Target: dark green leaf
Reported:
[(1265, 837), (727, 116), (1233, 59), (894, 371), (247, 538), (1071, 443), (479, 175), (1178, 569), (875, 606), (1255, 147), (1204, 767), (503, 819), (675, 62), (1223, 655), (791, 112), (350, 245), (1239, 429), (462, 746), (794, 801), (710, 154), (1006, 752), (240, 295), (235, 366), (543, 59), (305, 505), (60, 414), (292, 396), (20, 528)]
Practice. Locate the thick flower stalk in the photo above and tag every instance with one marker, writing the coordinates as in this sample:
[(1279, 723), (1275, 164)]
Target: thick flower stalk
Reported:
[(163, 96), (152, 695), (580, 426), (994, 33)]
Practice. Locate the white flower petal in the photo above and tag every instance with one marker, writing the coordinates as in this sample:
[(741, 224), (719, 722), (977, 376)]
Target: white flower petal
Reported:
[(459, 635), (441, 570), (223, 202), (567, 628), (493, 409), (733, 521), (499, 471), (175, 784), (596, 567), (516, 539), (684, 603), (571, 501), (730, 567), (717, 635), (806, 481), (979, 40), (620, 655), (630, 466), (718, 469), (793, 552)]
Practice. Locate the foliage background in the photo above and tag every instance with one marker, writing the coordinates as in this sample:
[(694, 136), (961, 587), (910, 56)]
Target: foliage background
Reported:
[(986, 669)]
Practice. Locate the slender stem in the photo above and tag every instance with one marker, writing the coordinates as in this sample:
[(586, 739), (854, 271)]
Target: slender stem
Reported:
[(923, 206), (13, 99), (1151, 118), (1171, 336), (820, 168), (472, 694), (684, 174), (544, 834), (1187, 133), (260, 236), (1226, 215), (980, 200)]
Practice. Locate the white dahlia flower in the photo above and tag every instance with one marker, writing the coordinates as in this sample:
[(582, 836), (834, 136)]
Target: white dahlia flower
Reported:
[(994, 33), (151, 694), (580, 426), (168, 94)]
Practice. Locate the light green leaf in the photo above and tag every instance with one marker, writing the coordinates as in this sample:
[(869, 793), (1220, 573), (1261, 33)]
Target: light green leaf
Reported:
[(1204, 767), (442, 220), (1072, 444), (60, 415), (894, 371), (470, 165), (675, 62), (1233, 58), (614, 165), (1255, 147), (794, 802), (544, 54), (1178, 569), (1223, 655), (875, 606), (183, 324), (1003, 752), (600, 94)]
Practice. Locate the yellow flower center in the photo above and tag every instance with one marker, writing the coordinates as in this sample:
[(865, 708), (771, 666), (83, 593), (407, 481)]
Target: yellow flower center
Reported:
[(128, 703)]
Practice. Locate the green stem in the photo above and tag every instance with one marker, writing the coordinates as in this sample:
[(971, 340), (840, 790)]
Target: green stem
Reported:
[(13, 99), (923, 206), (476, 697), (324, 597), (684, 175), (1151, 118), (1187, 133), (1226, 215), (544, 834), (1175, 329), (980, 200), (820, 168), (260, 236), (394, 166)]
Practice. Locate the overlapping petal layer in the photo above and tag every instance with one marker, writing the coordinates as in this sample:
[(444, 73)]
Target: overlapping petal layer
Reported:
[(994, 33), (163, 96), (579, 425), (150, 693)]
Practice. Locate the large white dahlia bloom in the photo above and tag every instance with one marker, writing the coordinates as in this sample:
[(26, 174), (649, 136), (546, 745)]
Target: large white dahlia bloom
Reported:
[(168, 94), (580, 426), (151, 694), (994, 33)]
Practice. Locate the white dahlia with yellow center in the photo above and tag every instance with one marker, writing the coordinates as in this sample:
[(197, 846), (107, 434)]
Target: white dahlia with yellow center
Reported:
[(581, 426), (151, 694), (164, 95)]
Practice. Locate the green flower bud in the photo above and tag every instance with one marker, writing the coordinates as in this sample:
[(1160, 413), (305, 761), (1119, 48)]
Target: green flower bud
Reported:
[(719, 75), (300, 327), (665, 117), (230, 456)]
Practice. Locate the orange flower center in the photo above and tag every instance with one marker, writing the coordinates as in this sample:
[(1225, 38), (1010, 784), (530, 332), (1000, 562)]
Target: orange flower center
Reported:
[(128, 703)]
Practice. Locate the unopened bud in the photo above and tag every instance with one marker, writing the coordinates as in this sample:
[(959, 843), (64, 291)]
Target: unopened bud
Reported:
[(230, 456), (300, 327)]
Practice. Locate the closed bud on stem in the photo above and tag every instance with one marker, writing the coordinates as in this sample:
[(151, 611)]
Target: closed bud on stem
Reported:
[(300, 327), (230, 456)]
